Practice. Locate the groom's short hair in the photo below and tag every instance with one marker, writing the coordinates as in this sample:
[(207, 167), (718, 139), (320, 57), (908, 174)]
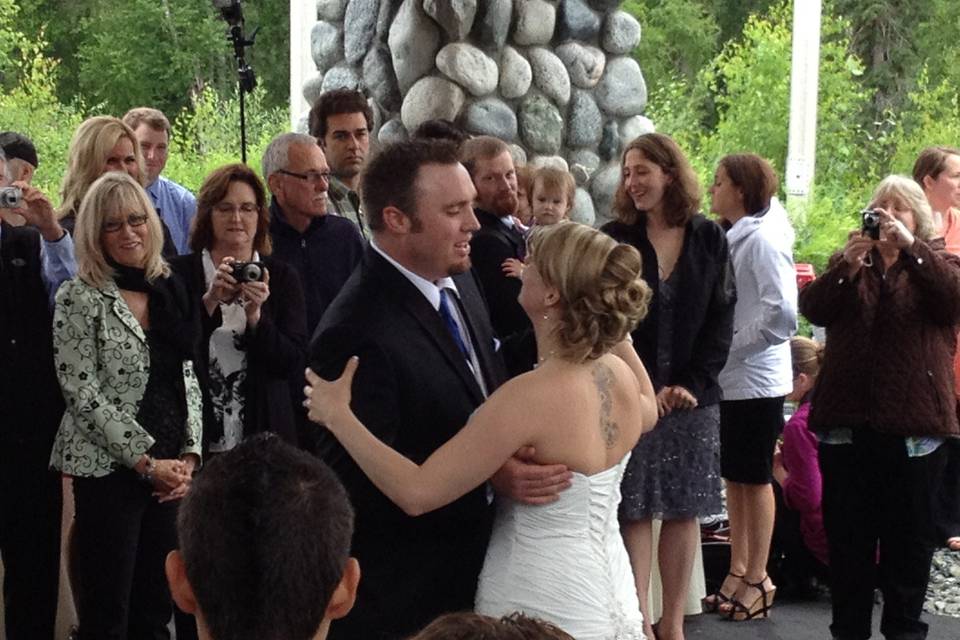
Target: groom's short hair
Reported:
[(474, 626), (390, 178), (265, 536)]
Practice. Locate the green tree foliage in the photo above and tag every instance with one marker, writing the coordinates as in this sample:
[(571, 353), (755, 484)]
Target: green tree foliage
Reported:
[(158, 52), (208, 135), (679, 37), (745, 92)]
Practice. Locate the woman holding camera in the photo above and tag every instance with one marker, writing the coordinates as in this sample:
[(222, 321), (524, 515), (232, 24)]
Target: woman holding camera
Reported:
[(883, 405), (130, 437), (252, 310)]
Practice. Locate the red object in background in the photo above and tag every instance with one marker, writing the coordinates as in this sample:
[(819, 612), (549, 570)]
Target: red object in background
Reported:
[(805, 274)]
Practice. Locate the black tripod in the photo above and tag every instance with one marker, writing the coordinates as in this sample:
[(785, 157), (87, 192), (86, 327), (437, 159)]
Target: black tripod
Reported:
[(233, 13)]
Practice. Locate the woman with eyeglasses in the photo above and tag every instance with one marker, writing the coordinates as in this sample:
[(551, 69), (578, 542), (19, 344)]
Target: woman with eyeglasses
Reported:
[(130, 437), (252, 313)]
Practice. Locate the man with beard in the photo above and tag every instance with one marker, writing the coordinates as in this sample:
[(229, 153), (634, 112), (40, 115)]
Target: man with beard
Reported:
[(491, 167)]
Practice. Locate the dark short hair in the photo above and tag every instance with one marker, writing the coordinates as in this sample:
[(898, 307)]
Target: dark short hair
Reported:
[(153, 118), (335, 102), (755, 178), (19, 147), (931, 162), (265, 536), (213, 190), (474, 626), (390, 177), (681, 198), (441, 129)]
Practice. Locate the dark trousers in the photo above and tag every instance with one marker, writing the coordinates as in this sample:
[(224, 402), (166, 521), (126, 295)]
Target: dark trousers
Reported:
[(948, 496), (878, 514), (30, 506), (123, 536)]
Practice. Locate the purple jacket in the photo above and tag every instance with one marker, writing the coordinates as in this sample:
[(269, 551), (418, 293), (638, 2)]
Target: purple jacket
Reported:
[(803, 488)]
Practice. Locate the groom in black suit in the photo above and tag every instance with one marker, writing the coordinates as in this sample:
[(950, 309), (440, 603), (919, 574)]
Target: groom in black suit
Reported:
[(415, 316)]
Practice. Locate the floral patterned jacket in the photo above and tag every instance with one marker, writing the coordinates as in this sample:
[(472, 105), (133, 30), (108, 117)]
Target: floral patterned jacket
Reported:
[(103, 362)]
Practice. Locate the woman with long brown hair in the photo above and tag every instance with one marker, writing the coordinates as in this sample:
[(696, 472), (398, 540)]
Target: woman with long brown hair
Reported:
[(674, 474)]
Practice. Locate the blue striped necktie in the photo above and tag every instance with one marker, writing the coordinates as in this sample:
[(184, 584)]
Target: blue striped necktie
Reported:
[(450, 320)]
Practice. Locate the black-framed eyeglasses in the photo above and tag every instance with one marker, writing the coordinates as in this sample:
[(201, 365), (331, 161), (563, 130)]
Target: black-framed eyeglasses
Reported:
[(133, 220), (312, 177)]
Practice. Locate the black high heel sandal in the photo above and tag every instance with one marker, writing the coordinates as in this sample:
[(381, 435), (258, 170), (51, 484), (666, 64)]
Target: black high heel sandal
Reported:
[(760, 607), (713, 602)]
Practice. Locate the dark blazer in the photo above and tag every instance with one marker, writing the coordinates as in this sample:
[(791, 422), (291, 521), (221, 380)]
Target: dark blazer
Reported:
[(274, 350), (414, 391), (703, 307), (490, 246), (30, 397)]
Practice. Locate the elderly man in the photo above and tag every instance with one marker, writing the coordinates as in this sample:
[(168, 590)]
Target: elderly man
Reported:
[(34, 259), (323, 249), (175, 204), (340, 120)]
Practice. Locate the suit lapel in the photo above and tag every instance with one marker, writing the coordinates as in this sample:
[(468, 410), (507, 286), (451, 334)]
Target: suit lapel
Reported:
[(474, 308), (510, 234), (415, 303)]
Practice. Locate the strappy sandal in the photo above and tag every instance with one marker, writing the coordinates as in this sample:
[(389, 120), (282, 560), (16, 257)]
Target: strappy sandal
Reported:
[(713, 602), (760, 607)]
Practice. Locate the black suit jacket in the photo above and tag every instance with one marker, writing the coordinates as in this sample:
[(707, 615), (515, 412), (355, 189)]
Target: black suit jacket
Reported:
[(274, 350), (490, 246), (414, 390)]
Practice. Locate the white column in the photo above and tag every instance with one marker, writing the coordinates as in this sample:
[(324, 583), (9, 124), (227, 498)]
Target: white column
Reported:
[(804, 78), (303, 15)]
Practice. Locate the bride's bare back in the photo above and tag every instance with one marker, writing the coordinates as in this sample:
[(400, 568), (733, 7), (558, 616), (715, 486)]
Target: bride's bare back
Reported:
[(586, 416)]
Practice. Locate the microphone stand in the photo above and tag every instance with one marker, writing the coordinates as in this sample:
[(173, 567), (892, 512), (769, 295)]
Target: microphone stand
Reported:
[(246, 79)]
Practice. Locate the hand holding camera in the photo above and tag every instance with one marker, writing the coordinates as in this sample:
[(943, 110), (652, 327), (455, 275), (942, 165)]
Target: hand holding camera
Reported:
[(236, 281), (35, 208)]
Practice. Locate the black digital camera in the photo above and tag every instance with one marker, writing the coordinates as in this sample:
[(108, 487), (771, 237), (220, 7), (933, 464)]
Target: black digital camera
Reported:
[(870, 223), (248, 272)]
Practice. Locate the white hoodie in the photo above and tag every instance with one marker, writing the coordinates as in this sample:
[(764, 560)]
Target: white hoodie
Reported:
[(761, 249)]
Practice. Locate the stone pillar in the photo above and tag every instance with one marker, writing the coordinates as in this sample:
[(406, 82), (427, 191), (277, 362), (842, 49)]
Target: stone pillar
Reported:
[(555, 78)]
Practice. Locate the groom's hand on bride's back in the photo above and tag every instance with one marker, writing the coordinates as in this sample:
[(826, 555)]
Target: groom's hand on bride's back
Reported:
[(523, 480)]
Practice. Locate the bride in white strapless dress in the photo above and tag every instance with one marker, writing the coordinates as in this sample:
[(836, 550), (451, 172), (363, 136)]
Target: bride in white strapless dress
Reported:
[(584, 407), (565, 562)]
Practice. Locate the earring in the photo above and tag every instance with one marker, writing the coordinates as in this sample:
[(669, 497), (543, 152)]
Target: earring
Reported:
[(546, 317)]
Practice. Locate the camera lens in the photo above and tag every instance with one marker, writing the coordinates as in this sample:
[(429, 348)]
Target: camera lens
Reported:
[(252, 273)]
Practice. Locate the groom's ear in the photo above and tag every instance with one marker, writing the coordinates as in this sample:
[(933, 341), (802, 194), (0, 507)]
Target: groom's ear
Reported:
[(180, 587), (344, 596)]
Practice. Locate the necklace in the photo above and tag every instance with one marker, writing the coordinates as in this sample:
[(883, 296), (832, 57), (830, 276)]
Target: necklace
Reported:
[(542, 359)]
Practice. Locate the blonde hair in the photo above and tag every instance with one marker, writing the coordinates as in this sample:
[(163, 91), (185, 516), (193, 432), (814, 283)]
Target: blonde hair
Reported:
[(910, 194), (553, 179), (92, 143), (114, 193), (602, 293), (807, 356)]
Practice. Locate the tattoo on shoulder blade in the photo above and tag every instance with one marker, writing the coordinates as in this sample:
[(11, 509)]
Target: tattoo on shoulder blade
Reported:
[(603, 378)]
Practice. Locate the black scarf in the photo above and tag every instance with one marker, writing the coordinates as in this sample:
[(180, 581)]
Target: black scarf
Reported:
[(172, 318)]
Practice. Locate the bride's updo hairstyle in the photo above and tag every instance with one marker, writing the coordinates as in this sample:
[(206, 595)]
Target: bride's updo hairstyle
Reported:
[(602, 293)]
